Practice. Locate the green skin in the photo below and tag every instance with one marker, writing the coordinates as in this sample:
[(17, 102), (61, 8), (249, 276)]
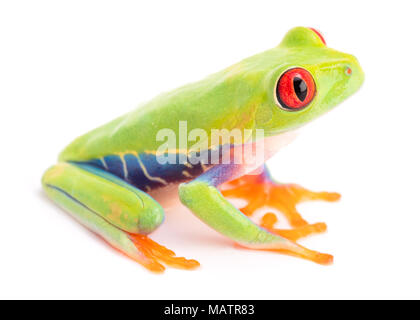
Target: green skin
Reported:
[(239, 97)]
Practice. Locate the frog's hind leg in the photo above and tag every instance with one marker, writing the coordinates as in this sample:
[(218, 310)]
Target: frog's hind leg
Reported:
[(110, 207), (262, 191)]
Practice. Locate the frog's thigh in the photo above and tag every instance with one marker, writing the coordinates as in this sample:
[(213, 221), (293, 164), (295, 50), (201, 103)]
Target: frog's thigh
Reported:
[(105, 195), (115, 210)]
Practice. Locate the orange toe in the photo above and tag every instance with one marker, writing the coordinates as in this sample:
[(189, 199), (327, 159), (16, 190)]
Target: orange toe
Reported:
[(157, 253)]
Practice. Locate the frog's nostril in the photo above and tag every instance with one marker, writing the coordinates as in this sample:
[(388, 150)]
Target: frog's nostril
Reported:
[(348, 71)]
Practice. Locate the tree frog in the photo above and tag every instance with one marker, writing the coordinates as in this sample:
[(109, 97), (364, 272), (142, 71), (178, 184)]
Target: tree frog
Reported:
[(108, 179)]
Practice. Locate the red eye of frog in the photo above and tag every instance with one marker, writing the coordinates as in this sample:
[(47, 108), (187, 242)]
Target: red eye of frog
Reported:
[(295, 89), (319, 35)]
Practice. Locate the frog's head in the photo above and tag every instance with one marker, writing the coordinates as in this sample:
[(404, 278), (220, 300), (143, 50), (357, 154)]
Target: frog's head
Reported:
[(301, 79)]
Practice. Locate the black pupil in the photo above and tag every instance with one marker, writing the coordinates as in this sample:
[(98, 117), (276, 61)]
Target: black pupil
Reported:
[(300, 87)]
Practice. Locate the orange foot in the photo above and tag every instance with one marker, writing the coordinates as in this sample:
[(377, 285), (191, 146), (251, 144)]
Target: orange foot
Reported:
[(262, 191), (153, 253), (269, 220)]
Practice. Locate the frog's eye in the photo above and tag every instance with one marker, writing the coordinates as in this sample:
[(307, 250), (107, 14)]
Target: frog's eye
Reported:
[(295, 89), (319, 35)]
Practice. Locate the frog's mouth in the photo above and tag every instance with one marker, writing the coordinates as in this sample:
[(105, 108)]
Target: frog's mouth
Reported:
[(338, 93), (349, 78)]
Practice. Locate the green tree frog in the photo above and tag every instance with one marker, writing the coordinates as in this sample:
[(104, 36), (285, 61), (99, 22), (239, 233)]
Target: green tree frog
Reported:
[(108, 179)]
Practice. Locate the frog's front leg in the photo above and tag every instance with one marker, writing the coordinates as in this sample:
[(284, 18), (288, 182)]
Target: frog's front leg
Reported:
[(262, 191), (118, 212), (203, 198)]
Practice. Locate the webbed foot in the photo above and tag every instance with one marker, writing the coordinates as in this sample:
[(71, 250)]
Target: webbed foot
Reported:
[(270, 219), (155, 253), (262, 191), (206, 201)]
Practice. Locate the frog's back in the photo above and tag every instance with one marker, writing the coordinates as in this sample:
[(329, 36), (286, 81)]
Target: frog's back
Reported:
[(127, 146), (132, 132), (206, 104)]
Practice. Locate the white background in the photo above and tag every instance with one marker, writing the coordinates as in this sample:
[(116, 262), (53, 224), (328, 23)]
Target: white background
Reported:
[(69, 66)]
